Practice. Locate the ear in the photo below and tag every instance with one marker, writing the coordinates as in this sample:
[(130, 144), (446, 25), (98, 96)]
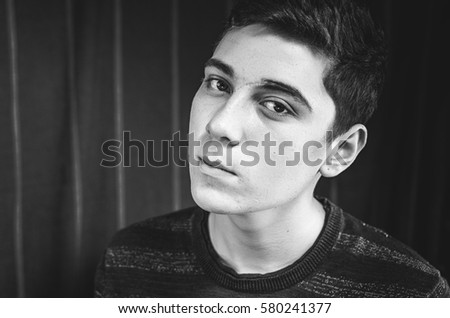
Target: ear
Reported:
[(343, 151)]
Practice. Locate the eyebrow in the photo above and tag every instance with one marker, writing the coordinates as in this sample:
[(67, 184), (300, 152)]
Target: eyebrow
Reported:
[(266, 83), (225, 68)]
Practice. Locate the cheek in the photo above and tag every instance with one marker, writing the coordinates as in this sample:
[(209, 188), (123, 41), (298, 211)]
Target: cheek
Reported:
[(201, 113), (279, 182), (288, 170), (301, 152), (271, 189)]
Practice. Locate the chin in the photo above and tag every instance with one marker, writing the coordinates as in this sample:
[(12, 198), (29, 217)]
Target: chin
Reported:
[(216, 202)]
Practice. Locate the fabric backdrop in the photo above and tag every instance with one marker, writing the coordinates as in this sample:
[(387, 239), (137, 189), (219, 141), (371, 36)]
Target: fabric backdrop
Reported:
[(76, 73)]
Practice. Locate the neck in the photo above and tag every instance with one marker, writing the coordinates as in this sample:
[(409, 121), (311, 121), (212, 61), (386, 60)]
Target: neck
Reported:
[(266, 241)]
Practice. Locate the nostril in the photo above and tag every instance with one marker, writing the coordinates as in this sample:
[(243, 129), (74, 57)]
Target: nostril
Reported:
[(232, 143), (228, 142), (208, 128)]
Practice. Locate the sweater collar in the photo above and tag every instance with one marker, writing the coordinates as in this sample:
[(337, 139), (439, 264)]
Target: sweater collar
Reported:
[(270, 282)]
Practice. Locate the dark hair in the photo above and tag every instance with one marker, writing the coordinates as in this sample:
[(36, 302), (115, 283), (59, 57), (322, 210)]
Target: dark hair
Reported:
[(341, 30)]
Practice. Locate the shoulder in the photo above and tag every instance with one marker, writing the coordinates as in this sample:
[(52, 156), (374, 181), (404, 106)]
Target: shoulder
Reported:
[(164, 227), (141, 254), (384, 265), (162, 237)]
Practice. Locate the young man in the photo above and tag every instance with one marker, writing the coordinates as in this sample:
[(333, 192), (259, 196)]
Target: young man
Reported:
[(284, 74)]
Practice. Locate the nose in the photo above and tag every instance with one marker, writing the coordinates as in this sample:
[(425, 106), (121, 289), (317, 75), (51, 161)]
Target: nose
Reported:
[(227, 123)]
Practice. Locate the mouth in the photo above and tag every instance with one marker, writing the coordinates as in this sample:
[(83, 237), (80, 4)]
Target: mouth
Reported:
[(216, 164)]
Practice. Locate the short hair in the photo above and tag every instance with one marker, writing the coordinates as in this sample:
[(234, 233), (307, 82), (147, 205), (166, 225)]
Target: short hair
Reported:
[(341, 30)]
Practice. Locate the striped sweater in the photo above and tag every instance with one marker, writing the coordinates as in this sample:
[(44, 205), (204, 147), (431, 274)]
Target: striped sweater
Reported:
[(172, 256)]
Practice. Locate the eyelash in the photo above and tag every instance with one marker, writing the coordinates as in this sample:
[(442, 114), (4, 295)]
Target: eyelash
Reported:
[(286, 112), (209, 80)]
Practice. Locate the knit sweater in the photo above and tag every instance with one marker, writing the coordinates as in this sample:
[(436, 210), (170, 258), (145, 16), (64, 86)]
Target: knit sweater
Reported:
[(172, 256)]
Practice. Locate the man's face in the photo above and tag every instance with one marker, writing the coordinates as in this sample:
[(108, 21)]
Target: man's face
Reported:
[(257, 83)]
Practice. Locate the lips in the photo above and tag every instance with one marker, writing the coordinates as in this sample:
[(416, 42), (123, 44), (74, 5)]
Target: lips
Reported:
[(216, 164)]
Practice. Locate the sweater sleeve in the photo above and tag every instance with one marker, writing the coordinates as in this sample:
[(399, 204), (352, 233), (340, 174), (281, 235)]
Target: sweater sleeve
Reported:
[(441, 290), (100, 279)]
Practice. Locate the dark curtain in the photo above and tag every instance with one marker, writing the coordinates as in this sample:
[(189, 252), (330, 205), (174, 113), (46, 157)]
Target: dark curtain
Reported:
[(401, 180), (76, 73)]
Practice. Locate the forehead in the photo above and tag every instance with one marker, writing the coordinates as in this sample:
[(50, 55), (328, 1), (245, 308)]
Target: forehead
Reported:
[(255, 52)]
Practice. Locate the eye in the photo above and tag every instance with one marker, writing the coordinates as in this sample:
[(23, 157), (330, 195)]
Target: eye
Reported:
[(217, 85), (276, 107)]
